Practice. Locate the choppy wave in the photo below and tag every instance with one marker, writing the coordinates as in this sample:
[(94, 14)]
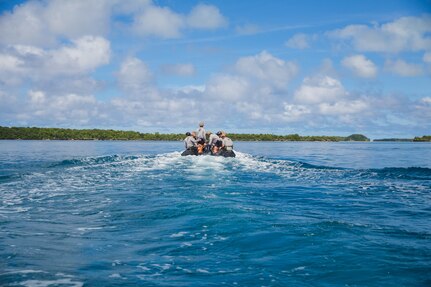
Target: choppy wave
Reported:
[(94, 160), (412, 173), (39, 278)]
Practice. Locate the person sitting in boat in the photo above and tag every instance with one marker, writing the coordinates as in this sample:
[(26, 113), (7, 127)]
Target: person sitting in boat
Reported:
[(191, 144), (207, 144), (212, 140), (200, 146), (201, 132), (227, 146), (218, 144)]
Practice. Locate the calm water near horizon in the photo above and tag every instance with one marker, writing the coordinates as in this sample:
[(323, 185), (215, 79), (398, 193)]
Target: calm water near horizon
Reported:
[(136, 213)]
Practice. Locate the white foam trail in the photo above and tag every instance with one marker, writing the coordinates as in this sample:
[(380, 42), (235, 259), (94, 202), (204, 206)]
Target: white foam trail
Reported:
[(196, 166), (88, 228), (250, 162), (46, 283), (193, 164), (115, 275), (179, 234)]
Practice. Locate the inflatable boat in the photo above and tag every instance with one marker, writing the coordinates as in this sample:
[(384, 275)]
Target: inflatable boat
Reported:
[(223, 152)]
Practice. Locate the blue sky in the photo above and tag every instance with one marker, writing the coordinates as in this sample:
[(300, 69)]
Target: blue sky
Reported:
[(307, 67)]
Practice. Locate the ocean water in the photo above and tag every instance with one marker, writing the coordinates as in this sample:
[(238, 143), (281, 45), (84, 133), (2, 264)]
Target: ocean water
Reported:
[(106, 213)]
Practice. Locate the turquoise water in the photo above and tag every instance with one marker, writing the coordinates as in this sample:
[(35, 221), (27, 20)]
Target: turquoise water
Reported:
[(99, 213)]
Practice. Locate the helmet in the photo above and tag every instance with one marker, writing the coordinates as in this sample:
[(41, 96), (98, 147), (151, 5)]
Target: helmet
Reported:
[(218, 133), (188, 134), (201, 124)]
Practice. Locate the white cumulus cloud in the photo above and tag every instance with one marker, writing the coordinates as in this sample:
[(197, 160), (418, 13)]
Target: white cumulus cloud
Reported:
[(165, 23), (293, 112), (47, 23), (159, 21), (10, 64), (403, 34), (253, 84), (360, 66), (247, 29), (265, 67), (253, 88), (318, 89), (179, 69), (299, 41), (137, 80), (343, 107), (61, 109), (228, 87), (205, 16), (402, 68), (84, 55), (25, 25), (42, 23), (37, 97), (78, 58), (73, 19)]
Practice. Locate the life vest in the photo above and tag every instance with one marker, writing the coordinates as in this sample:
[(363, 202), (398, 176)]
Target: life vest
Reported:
[(200, 148)]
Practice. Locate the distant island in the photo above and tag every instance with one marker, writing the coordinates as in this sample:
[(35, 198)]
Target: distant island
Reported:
[(393, 140), (422, 139), (415, 139), (34, 133)]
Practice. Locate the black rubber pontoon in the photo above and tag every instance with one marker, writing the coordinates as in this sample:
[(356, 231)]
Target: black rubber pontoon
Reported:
[(224, 153)]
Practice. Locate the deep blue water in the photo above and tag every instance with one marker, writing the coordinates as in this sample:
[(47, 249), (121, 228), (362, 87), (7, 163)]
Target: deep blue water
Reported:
[(96, 213)]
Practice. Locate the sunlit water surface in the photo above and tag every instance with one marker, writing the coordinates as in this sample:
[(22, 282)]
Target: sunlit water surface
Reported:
[(81, 213)]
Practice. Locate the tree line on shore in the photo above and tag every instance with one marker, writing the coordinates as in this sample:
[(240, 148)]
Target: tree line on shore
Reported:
[(415, 139), (422, 139), (34, 133)]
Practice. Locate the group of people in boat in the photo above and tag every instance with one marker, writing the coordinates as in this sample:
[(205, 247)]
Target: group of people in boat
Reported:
[(218, 144)]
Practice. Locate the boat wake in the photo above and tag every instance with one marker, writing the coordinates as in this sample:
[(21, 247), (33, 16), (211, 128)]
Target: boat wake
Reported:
[(173, 163)]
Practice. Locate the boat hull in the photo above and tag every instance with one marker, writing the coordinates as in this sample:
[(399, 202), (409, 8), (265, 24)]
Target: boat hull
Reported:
[(223, 153)]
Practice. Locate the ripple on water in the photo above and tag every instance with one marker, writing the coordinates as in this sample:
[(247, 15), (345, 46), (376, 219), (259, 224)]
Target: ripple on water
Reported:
[(170, 220)]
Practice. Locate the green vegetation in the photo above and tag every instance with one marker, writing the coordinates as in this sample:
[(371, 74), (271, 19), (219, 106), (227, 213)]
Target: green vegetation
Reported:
[(393, 140), (357, 138), (33, 133), (416, 139), (292, 137), (73, 134), (422, 139)]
